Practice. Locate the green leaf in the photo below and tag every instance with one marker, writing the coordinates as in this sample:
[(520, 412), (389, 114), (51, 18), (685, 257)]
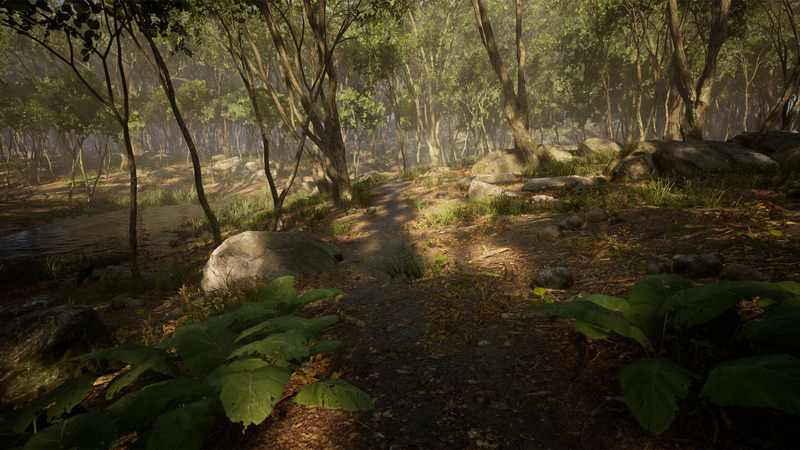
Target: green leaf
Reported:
[(202, 346), (318, 294), (240, 365), (278, 348), (649, 301), (279, 290), (141, 360), (776, 328), (603, 320), (286, 323), (771, 381), (700, 305), (137, 410), (652, 389), (90, 431), (591, 332), (57, 402), (608, 302), (248, 397), (183, 428), (244, 316), (326, 346), (334, 394)]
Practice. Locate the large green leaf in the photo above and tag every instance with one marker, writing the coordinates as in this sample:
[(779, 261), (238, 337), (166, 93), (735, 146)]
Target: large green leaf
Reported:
[(608, 302), (700, 305), (591, 332), (334, 394), (137, 410), (771, 381), (325, 346), (201, 346), (240, 365), (286, 323), (318, 294), (649, 301), (141, 359), (652, 389), (57, 402), (777, 328), (185, 428), (248, 397), (603, 320), (278, 349), (90, 431)]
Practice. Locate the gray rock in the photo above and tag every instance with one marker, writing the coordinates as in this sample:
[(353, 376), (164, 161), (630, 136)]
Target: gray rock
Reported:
[(549, 183), (254, 167), (570, 222), (769, 143), (658, 265), (544, 200), (497, 178), (596, 215), (38, 344), (500, 162), (688, 159), (741, 272), (262, 255), (698, 266), (464, 183), (555, 278), (599, 147), (557, 153), (548, 232), (478, 190)]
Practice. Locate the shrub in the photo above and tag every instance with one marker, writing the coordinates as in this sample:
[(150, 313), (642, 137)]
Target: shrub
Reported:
[(236, 364), (680, 324)]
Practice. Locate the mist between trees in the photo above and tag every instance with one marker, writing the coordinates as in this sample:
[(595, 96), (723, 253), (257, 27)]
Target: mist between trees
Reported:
[(332, 90)]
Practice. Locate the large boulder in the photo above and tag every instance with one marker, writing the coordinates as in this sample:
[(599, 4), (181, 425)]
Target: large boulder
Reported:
[(478, 190), (38, 343), (782, 146), (688, 159), (550, 183), (228, 166), (600, 148), (252, 256), (557, 153), (500, 162)]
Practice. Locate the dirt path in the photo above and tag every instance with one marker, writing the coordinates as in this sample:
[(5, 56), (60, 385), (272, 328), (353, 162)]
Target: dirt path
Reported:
[(450, 359)]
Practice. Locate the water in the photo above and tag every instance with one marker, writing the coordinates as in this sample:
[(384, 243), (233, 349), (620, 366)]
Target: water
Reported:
[(100, 233)]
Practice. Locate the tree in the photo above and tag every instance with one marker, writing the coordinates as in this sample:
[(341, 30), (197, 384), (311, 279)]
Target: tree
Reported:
[(511, 103), (696, 94)]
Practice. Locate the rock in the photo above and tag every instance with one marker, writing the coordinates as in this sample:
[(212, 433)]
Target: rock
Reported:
[(254, 167), (596, 215), (557, 153), (499, 178), (478, 190), (38, 342), (464, 183), (741, 272), (599, 147), (500, 162), (227, 166), (555, 278), (570, 222), (688, 159), (658, 265), (262, 255), (697, 266), (792, 189), (769, 143), (548, 232), (544, 200), (124, 302), (548, 183)]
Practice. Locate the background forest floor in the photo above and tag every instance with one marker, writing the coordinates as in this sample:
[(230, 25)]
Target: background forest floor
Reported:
[(436, 323)]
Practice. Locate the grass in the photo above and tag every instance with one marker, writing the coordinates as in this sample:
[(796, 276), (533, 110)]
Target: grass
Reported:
[(407, 264), (157, 196), (341, 228), (458, 212)]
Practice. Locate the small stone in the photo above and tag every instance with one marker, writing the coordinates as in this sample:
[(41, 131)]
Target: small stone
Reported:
[(698, 265), (483, 343), (544, 200), (555, 278), (571, 222), (596, 215), (548, 232), (479, 190), (741, 272), (659, 265)]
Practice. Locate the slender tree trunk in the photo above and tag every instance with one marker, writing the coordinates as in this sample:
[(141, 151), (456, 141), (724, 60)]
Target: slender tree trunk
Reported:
[(169, 90)]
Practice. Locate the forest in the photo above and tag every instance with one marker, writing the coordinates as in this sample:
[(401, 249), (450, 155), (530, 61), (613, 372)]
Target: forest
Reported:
[(399, 224)]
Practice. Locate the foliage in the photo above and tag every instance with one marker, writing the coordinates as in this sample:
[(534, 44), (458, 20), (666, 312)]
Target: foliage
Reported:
[(235, 364), (668, 316)]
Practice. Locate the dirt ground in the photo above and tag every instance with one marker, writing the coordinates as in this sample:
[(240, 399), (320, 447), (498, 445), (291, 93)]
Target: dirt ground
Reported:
[(454, 359)]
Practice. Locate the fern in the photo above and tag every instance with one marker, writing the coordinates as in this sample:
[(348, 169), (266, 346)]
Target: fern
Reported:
[(236, 364)]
